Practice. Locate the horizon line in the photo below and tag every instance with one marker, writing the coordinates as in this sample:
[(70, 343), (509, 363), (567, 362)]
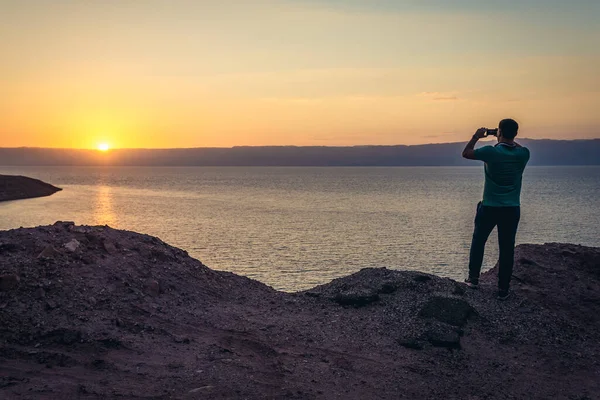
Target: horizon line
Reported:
[(273, 146)]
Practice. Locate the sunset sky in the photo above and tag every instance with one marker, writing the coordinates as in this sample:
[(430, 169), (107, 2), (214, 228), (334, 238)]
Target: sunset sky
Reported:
[(183, 73)]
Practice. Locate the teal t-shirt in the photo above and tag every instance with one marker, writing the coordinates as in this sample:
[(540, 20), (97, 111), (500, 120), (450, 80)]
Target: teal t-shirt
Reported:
[(504, 166)]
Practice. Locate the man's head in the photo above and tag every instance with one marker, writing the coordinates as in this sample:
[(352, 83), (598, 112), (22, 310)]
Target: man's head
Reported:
[(507, 129)]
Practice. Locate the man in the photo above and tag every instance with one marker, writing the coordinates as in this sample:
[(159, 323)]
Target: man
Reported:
[(504, 166)]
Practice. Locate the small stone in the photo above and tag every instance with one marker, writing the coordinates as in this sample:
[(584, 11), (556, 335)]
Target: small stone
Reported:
[(40, 293), (451, 310), (201, 389), (356, 297), (458, 290), (8, 282), (388, 287), (421, 278), (70, 336), (109, 247), (526, 310), (181, 339), (111, 343), (99, 364), (51, 305), (411, 343), (526, 261), (67, 225), (444, 336), (48, 252), (73, 245), (152, 287)]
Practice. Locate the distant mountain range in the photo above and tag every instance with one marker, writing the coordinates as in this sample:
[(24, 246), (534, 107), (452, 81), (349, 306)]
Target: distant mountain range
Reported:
[(543, 152)]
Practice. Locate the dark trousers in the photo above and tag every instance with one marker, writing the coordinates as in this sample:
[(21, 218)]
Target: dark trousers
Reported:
[(507, 220)]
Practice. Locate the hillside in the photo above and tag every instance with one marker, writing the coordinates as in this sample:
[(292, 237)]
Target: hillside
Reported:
[(543, 152), (95, 313)]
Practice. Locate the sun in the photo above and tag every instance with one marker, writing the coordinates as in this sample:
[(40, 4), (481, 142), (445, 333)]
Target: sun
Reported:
[(103, 147)]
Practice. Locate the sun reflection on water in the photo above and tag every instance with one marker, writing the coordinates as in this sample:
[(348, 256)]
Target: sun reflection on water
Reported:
[(103, 207)]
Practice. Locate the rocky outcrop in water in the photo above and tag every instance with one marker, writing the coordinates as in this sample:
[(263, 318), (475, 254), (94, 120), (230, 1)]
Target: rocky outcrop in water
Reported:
[(95, 313), (22, 187)]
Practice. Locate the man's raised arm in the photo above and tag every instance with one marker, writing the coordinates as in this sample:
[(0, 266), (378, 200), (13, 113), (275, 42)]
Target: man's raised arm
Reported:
[(469, 151)]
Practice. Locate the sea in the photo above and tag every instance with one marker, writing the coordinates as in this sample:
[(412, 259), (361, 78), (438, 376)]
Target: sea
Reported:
[(297, 227)]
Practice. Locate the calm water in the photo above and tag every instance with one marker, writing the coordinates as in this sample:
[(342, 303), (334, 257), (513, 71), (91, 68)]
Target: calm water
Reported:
[(294, 228)]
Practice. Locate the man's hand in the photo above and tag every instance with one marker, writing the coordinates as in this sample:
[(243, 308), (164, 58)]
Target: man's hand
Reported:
[(469, 151), (480, 133)]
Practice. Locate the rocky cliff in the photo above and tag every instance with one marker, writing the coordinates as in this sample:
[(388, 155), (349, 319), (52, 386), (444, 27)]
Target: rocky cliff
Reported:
[(21, 187), (95, 313)]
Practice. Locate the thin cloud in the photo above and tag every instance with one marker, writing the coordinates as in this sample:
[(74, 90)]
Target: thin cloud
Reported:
[(442, 134), (440, 96), (445, 98)]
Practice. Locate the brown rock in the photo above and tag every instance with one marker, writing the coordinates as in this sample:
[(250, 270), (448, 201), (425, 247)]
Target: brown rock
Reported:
[(109, 247), (152, 287), (450, 310), (8, 282), (411, 343), (181, 339), (51, 305), (48, 252), (66, 225), (356, 297), (442, 335), (79, 229), (73, 245)]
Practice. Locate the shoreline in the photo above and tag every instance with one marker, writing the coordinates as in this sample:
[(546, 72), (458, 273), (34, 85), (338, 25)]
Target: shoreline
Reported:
[(17, 187), (98, 312)]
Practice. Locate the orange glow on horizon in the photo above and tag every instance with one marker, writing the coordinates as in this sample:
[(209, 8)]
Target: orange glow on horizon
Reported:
[(335, 84)]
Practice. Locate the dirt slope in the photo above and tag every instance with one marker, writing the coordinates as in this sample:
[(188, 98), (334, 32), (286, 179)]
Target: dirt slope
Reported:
[(96, 313)]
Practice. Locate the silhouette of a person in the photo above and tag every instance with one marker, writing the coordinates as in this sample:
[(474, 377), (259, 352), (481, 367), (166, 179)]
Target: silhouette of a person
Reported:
[(504, 166)]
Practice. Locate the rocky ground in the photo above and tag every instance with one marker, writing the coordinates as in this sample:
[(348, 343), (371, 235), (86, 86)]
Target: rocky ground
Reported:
[(21, 187), (96, 313)]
